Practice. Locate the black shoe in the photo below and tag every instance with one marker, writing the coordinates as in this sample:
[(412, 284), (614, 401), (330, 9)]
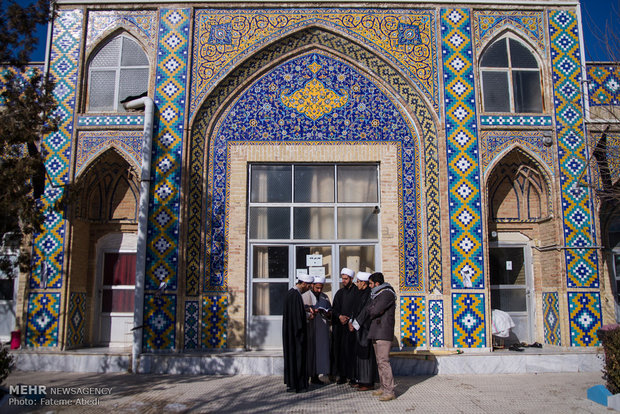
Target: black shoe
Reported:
[(290, 389), (315, 380), (341, 381), (301, 391), (515, 347)]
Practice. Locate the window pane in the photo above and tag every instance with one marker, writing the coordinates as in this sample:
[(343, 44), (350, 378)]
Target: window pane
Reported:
[(314, 184), (526, 86), (521, 57), (357, 223), (271, 184), (313, 223), (508, 300), (101, 93), (357, 184), (507, 266), (269, 223), (495, 56), (358, 258), (270, 262), (133, 82), (108, 55), (325, 251), (496, 94), (117, 300), (133, 55), (268, 298)]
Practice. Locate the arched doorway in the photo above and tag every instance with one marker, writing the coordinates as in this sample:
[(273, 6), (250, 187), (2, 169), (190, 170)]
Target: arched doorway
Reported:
[(519, 205)]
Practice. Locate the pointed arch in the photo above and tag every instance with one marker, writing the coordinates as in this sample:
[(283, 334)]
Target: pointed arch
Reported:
[(403, 94), (529, 178)]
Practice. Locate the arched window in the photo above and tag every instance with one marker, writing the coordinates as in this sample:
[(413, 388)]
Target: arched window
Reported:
[(118, 70), (510, 78)]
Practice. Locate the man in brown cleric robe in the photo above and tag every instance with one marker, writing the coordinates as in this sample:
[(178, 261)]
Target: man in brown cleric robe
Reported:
[(295, 336)]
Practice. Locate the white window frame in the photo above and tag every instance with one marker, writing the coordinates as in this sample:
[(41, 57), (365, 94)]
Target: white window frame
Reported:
[(117, 68)]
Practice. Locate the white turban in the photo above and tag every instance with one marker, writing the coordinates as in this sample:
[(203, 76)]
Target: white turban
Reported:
[(319, 279), (348, 272), (363, 276), (302, 277)]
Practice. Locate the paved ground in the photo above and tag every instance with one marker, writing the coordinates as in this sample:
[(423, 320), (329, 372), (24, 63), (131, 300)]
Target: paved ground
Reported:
[(517, 393)]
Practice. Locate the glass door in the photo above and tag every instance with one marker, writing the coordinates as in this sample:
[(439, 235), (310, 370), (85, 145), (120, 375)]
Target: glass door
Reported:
[(511, 288)]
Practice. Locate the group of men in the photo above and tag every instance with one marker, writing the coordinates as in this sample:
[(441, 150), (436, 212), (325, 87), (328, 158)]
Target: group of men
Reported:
[(349, 342)]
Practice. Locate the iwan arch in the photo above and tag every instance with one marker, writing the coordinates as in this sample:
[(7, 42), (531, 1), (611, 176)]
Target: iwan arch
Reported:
[(378, 139)]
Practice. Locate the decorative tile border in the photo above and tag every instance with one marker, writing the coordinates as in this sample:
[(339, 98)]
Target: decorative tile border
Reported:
[(584, 310), (409, 279), (108, 120), (551, 318), (581, 264), (435, 323), (91, 144), (495, 142), (163, 225), (105, 21), (515, 120), (487, 23), (403, 37), (76, 322), (214, 321), (413, 321), (159, 322), (468, 318), (48, 257), (603, 84), (43, 313), (191, 325), (466, 253)]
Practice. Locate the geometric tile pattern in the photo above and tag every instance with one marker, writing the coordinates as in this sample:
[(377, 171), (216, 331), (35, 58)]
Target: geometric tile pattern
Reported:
[(413, 321), (64, 58), (435, 323), (191, 324), (43, 312), (261, 115), (214, 321), (409, 280), (468, 318), (495, 142), (171, 76), (466, 253), (403, 37), (159, 322), (106, 21), (528, 23), (91, 144), (76, 323), (603, 84), (106, 120), (581, 264), (584, 310), (551, 318), (515, 120)]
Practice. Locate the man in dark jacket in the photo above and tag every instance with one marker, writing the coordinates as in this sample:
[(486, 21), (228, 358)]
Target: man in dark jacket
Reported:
[(381, 312), (366, 363)]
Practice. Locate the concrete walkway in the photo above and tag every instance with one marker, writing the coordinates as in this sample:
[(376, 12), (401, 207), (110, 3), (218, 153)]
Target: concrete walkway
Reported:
[(505, 393)]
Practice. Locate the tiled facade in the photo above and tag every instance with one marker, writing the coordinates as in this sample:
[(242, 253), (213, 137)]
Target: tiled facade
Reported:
[(398, 86)]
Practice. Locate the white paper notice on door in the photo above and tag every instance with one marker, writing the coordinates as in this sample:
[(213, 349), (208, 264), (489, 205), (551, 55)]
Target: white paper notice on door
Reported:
[(314, 260), (508, 264), (316, 271)]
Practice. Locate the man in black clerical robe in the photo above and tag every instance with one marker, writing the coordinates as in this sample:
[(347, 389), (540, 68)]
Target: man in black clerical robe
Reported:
[(343, 340), (295, 336)]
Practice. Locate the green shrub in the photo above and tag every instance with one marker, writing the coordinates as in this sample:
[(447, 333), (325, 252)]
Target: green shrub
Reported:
[(610, 338), (6, 364)]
